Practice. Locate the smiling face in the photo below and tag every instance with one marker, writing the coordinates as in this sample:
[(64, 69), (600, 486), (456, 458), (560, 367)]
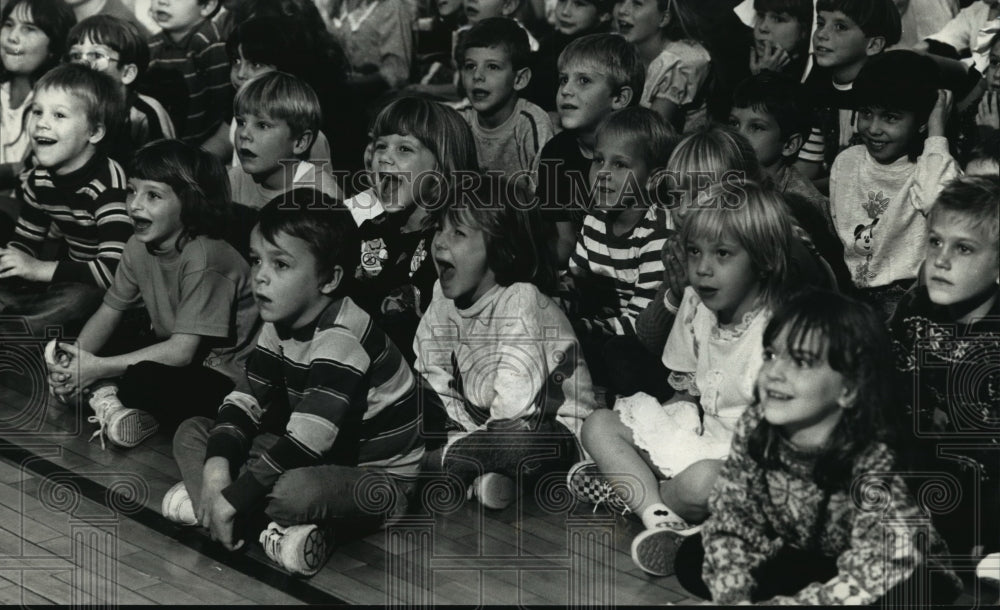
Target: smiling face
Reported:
[(460, 258), (638, 20), (888, 134), (721, 273), (799, 391), (585, 96), (265, 146), (781, 29), (241, 69), (24, 47), (492, 83), (155, 211), (963, 260), (839, 44), (179, 17), (403, 169), (575, 17), (618, 171), (62, 138), (287, 285)]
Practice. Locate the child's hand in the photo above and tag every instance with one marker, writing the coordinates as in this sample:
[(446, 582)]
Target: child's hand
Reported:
[(83, 374), (674, 268), (15, 263), (222, 517), (988, 114), (215, 478), (772, 58), (939, 115)]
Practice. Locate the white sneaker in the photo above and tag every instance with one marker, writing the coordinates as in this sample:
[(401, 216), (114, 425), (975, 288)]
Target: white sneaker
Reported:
[(989, 569), (177, 505), (655, 549), (123, 427), (300, 549), (493, 490)]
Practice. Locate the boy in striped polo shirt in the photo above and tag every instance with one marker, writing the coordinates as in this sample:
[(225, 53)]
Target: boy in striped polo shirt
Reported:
[(328, 413), (616, 268), (75, 192), (189, 68)]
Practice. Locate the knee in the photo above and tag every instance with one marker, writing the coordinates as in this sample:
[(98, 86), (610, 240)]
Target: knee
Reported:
[(191, 435), (600, 426), (290, 499), (697, 480)]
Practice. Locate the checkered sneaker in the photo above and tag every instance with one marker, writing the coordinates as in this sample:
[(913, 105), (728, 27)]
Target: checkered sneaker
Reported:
[(589, 487)]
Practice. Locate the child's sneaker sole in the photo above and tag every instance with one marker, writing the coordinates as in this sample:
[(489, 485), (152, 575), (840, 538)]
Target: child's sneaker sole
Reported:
[(494, 491), (299, 549), (130, 427), (655, 549)]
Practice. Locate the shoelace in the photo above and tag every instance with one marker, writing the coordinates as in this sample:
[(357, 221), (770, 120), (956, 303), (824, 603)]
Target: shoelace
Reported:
[(272, 541), (100, 418), (608, 496)]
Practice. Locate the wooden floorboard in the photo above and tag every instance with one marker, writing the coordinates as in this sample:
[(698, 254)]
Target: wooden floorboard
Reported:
[(520, 555)]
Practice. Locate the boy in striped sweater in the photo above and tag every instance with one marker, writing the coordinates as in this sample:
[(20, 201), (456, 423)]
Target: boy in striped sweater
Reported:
[(328, 415), (616, 268), (75, 192)]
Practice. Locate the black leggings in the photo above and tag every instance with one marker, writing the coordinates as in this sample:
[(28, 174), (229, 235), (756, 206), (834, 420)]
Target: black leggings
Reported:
[(172, 394)]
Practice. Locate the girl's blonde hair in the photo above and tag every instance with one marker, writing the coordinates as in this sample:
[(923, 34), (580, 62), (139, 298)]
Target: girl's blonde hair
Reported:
[(755, 217)]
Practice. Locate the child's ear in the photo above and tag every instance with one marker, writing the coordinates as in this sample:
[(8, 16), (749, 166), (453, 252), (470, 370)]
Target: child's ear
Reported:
[(622, 98), (521, 78), (208, 7), (333, 283), (510, 7), (664, 19), (604, 18), (847, 396), (97, 134), (792, 145), (302, 143), (130, 72), (875, 45)]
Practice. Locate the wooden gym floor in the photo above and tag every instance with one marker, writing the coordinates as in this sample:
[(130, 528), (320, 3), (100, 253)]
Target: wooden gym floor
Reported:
[(81, 525)]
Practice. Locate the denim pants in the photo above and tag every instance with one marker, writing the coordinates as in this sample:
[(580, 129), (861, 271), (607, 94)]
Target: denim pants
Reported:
[(348, 498), (67, 305)]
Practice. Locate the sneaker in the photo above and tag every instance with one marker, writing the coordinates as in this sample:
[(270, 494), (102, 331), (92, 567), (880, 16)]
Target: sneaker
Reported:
[(123, 427), (589, 487), (300, 549), (177, 506), (655, 548), (988, 569), (493, 490)]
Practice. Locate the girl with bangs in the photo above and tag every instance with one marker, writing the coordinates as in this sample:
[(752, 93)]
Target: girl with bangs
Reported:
[(660, 461), (807, 509), (498, 352)]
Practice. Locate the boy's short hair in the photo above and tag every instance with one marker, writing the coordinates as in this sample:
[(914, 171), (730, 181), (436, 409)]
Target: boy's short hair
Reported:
[(800, 10), (987, 147), (281, 96), (874, 17), (898, 80), (645, 126), (779, 96), (497, 32), (975, 197), (613, 56), (122, 36), (328, 229), (102, 97)]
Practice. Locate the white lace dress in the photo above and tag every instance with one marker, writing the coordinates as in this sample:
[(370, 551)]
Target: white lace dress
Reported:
[(718, 365)]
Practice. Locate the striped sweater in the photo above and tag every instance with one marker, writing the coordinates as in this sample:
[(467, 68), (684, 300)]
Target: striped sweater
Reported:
[(191, 78), (86, 208), (615, 277), (336, 391)]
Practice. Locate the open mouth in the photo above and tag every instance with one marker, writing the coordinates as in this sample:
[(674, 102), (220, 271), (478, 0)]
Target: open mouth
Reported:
[(625, 27), (246, 154), (12, 52), (876, 146), (261, 299), (478, 95), (161, 16), (141, 224), (706, 292), (446, 270), (822, 50), (43, 141), (772, 394), (567, 107)]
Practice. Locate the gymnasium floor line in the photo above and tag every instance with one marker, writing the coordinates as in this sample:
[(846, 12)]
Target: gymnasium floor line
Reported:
[(19, 456)]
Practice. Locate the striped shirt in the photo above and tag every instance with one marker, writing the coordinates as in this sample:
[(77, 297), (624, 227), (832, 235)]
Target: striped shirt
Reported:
[(336, 392), (191, 78), (616, 276), (86, 208)]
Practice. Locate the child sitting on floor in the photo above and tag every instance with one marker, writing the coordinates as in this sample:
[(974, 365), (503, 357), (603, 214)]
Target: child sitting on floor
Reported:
[(327, 409), (668, 456), (809, 507), (498, 352), (197, 291)]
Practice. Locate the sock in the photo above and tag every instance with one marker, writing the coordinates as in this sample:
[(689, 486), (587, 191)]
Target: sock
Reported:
[(650, 518)]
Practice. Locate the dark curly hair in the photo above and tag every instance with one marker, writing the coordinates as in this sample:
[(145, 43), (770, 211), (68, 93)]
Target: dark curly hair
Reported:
[(53, 17), (856, 345), (196, 177)]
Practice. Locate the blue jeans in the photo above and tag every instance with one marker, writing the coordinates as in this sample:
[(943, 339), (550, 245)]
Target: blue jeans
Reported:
[(64, 305)]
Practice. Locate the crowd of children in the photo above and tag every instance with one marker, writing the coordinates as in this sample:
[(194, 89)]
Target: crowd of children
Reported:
[(727, 278)]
